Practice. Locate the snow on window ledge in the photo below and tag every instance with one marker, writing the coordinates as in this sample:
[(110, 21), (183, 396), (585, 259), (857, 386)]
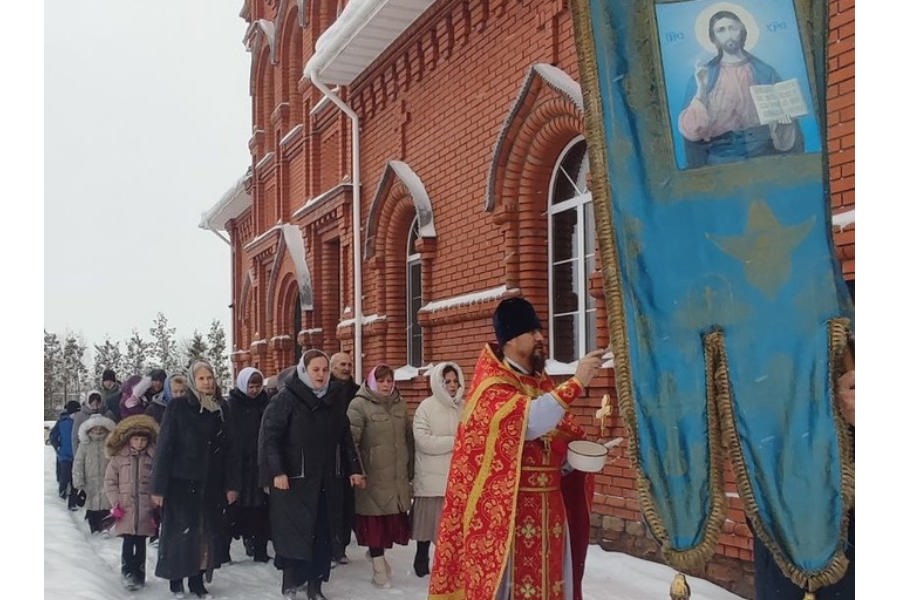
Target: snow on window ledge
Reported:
[(406, 373)]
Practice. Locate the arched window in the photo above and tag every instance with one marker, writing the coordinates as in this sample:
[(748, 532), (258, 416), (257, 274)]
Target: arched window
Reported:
[(573, 311), (413, 298)]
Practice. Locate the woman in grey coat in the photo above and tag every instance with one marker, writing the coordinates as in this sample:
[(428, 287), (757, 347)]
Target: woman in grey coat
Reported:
[(379, 421)]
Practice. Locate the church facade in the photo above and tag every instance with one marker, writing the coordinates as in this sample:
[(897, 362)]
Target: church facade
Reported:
[(421, 164)]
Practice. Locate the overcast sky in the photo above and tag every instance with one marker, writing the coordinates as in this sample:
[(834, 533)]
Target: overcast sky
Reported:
[(146, 123)]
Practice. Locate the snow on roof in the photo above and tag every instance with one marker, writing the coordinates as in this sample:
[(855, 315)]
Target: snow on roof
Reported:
[(561, 82), (232, 203), (363, 30), (419, 196), (365, 320), (844, 219), (326, 194), (264, 234), (310, 331), (290, 135), (293, 239), (268, 29), (265, 160), (467, 299)]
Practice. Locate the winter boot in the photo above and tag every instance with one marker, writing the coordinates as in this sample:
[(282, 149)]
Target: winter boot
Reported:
[(176, 586), (420, 563), (261, 550), (195, 585), (314, 590), (249, 547), (381, 575)]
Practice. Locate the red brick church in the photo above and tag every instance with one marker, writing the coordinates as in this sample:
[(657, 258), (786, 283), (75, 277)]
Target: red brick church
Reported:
[(421, 162)]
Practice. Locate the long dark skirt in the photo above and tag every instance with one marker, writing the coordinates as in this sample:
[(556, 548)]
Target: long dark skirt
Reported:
[(297, 572), (191, 535)]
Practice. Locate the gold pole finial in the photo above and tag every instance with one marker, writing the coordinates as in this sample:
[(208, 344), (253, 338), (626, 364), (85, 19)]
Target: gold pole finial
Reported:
[(679, 590)]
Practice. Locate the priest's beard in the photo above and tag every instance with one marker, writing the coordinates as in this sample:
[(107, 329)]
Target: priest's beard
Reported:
[(538, 359)]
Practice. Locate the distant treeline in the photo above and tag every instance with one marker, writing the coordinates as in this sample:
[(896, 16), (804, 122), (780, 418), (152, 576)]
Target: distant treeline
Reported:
[(67, 373)]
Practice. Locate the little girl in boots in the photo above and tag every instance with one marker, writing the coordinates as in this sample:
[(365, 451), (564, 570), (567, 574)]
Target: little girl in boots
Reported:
[(90, 467), (130, 448)]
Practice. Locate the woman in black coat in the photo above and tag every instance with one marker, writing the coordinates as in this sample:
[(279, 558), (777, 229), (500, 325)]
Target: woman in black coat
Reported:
[(305, 452), (194, 477), (246, 404)]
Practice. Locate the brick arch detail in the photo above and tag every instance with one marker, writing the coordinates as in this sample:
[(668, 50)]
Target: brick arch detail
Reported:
[(246, 291), (285, 20), (391, 223), (388, 191), (397, 205), (544, 84), (286, 293), (260, 37), (522, 193), (277, 272), (394, 278)]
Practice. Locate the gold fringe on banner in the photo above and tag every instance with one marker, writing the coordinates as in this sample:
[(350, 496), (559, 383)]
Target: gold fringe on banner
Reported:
[(837, 566)]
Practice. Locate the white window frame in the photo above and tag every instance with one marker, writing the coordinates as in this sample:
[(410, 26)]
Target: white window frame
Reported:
[(413, 259), (577, 202)]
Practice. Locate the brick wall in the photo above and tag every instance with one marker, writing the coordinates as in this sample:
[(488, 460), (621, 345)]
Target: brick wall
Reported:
[(841, 104), (434, 102)]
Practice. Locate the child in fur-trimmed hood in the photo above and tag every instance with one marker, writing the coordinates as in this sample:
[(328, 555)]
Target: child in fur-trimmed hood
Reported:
[(131, 447), (89, 469)]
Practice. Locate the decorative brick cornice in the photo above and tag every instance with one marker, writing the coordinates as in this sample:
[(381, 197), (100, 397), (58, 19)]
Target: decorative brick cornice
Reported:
[(420, 50), (259, 348), (264, 244), (281, 114), (327, 203)]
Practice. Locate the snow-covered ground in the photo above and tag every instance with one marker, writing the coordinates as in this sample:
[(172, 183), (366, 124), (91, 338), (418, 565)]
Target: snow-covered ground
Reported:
[(78, 565)]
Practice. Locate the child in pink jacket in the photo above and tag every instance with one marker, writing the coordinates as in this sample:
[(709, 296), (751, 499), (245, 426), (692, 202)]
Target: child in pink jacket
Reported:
[(127, 485)]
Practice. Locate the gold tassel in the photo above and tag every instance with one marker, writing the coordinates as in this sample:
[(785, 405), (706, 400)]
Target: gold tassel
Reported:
[(809, 596), (680, 590)]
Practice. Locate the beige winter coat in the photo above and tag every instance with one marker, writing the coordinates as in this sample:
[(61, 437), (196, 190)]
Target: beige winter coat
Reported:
[(89, 467), (128, 475), (434, 429), (383, 434)]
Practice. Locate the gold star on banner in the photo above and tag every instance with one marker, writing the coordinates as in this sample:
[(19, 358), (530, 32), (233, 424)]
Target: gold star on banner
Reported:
[(765, 247)]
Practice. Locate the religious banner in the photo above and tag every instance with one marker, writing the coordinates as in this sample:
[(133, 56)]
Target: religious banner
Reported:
[(728, 314)]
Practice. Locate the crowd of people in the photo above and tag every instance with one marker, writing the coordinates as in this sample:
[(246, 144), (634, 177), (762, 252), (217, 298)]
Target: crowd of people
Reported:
[(302, 462), (305, 457)]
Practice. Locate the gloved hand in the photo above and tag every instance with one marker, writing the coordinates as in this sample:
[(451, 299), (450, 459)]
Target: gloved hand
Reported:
[(117, 512)]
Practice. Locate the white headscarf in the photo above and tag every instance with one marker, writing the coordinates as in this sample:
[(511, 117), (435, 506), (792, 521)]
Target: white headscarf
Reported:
[(303, 374), (243, 378)]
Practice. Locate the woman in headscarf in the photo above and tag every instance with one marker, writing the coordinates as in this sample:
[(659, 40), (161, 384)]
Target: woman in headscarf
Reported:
[(173, 387), (382, 431), (246, 403), (194, 477), (305, 450), (434, 429)]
